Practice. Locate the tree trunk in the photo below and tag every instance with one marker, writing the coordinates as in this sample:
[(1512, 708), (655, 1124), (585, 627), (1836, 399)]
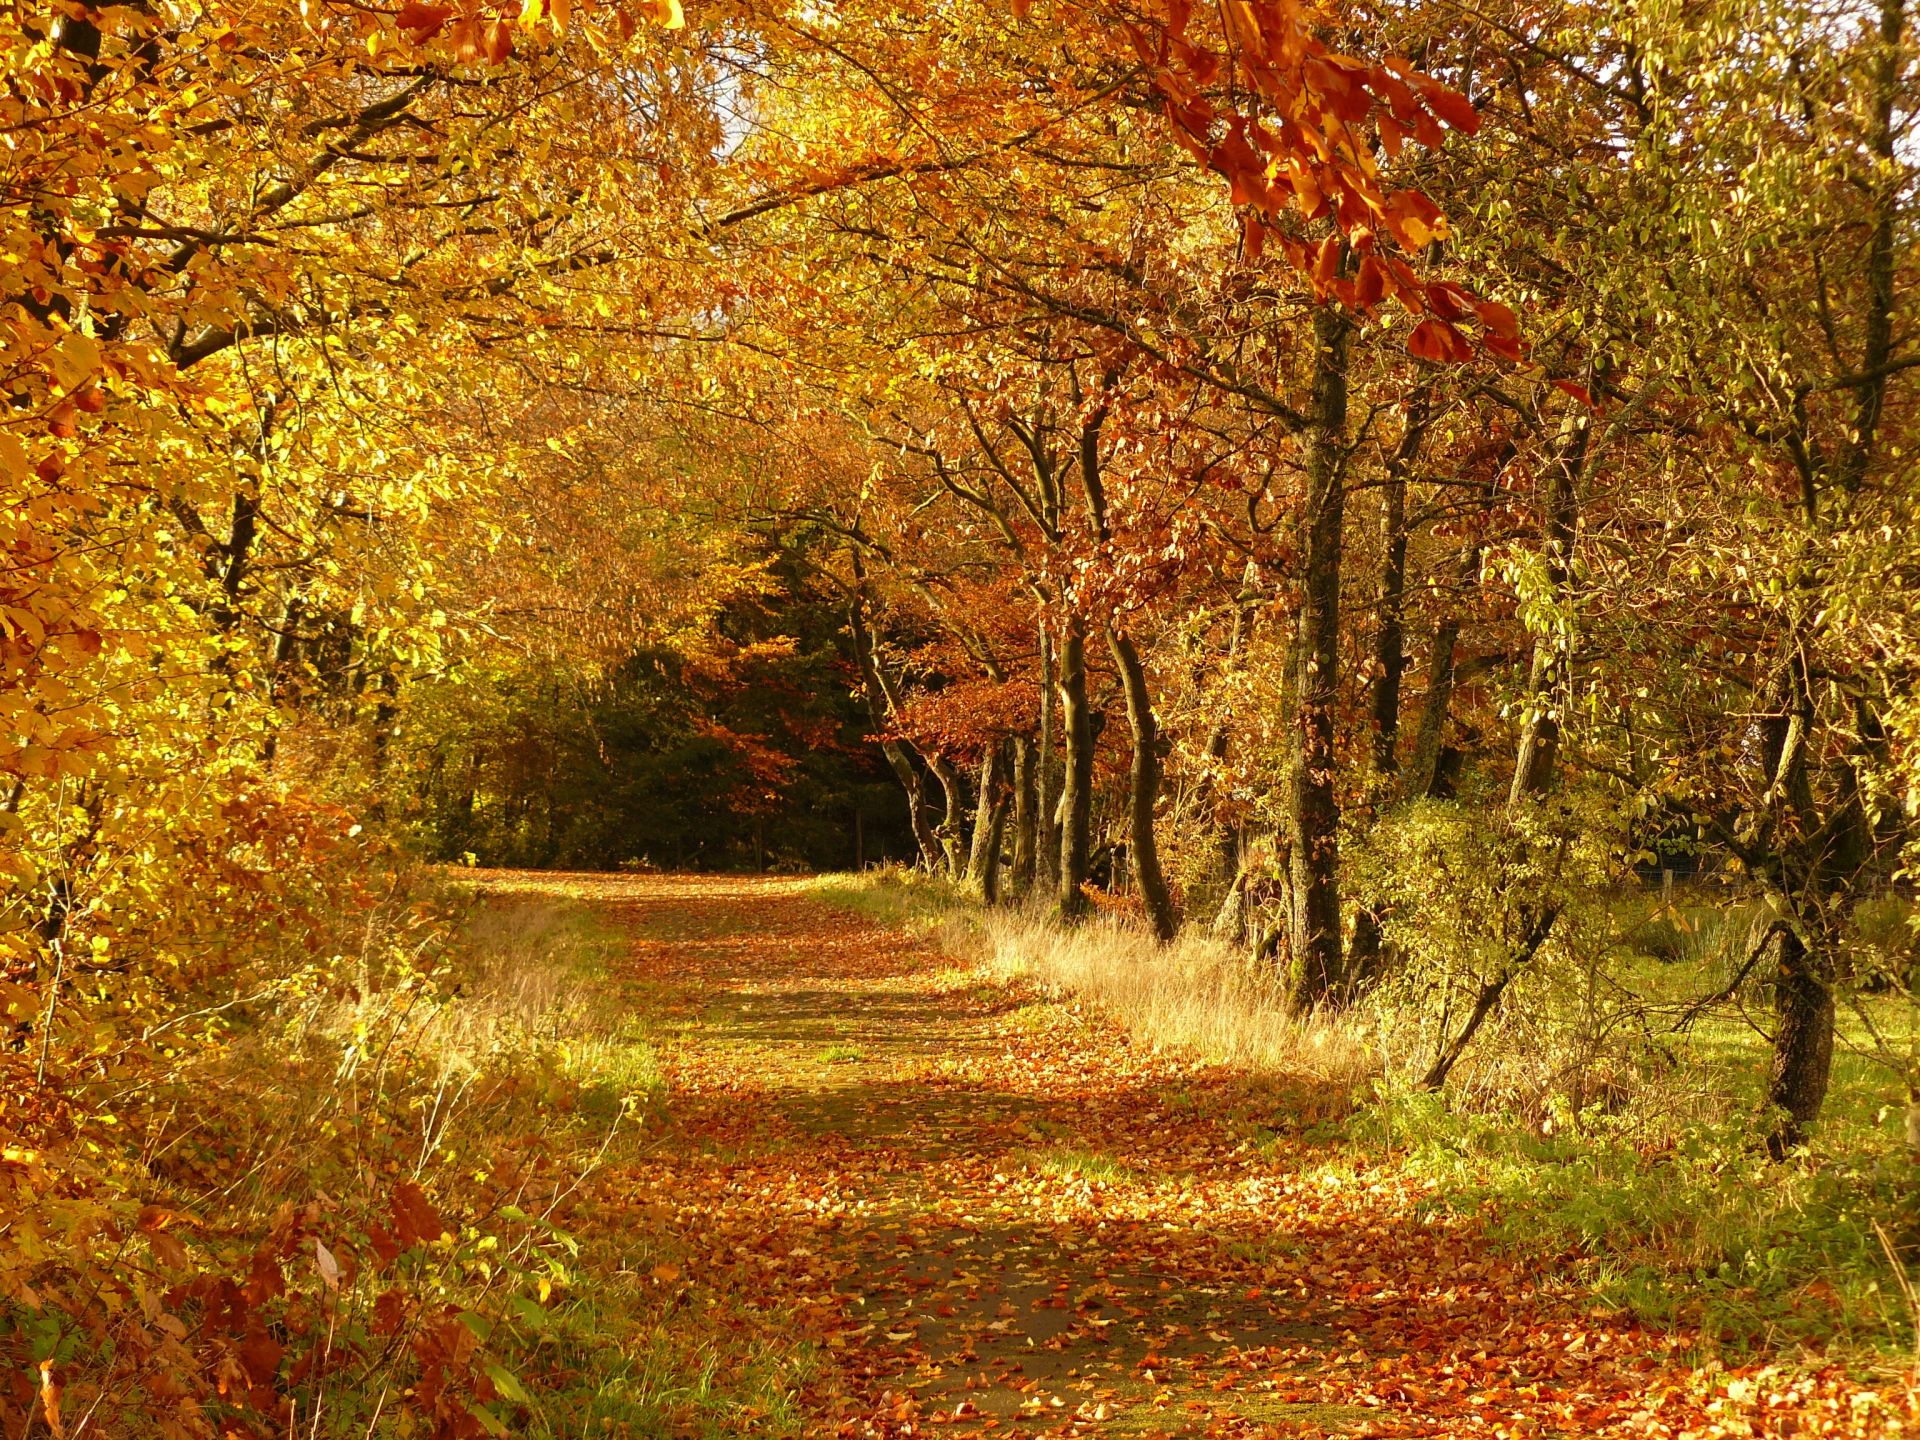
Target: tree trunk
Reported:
[(1313, 817), (1423, 771), (1539, 747), (1076, 795), (879, 707), (1803, 1043), (953, 798), (1046, 767), (1230, 923), (1145, 788), (990, 864), (917, 813), (989, 822), (1367, 950), (1389, 639), (1026, 813)]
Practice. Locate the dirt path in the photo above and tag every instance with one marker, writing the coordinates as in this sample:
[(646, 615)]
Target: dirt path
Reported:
[(994, 1215)]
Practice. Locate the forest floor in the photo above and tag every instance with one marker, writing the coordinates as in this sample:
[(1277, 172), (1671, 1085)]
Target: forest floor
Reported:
[(979, 1210)]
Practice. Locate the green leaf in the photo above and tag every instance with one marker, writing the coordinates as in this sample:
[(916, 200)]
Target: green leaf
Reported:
[(530, 1313), (508, 1384), (479, 1324)]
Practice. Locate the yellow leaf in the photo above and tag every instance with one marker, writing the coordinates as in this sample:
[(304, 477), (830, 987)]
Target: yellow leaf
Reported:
[(13, 455), (74, 359), (529, 14)]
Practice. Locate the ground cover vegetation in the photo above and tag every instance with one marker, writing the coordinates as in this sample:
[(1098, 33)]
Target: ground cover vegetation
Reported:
[(1372, 545)]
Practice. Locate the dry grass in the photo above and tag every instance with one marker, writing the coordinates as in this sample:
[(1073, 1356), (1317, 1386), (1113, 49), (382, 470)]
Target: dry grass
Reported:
[(426, 1047), (1195, 995)]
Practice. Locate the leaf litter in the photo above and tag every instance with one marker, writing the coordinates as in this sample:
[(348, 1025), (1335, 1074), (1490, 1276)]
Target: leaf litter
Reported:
[(992, 1214)]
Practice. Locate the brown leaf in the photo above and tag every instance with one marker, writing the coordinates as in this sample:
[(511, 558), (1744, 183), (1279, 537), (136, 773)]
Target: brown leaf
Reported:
[(389, 1312), (261, 1354), (414, 1219)]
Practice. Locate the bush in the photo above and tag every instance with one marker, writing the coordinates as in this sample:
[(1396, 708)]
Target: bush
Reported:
[(1497, 926)]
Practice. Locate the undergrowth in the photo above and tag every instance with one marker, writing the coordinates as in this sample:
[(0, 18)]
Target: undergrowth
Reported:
[(353, 1206)]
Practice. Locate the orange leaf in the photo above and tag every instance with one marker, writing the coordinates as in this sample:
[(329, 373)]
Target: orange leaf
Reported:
[(1448, 300), (1393, 135), (1326, 264), (1434, 339), (1414, 219), (1369, 285), (1454, 108), (421, 22), (50, 1400), (1498, 318)]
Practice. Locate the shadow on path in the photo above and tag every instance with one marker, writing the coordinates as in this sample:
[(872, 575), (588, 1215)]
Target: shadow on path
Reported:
[(995, 1215)]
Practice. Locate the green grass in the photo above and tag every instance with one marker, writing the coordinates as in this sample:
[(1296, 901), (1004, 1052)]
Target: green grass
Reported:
[(842, 1054), (663, 1381), (1670, 1206), (909, 899), (1707, 1233), (1667, 1201), (1070, 1162)]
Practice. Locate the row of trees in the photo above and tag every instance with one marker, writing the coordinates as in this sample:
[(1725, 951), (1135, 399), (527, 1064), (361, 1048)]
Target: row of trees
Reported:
[(1157, 390), (1221, 432), (1586, 506)]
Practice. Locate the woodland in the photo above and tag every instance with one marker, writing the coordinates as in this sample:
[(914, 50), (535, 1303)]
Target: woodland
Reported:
[(1333, 586)]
